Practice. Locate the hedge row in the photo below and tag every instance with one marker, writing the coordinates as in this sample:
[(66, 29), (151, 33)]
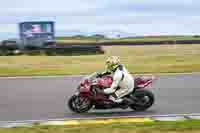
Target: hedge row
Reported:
[(72, 50)]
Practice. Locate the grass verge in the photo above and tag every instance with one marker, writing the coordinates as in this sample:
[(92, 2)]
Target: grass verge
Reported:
[(138, 59), (191, 126)]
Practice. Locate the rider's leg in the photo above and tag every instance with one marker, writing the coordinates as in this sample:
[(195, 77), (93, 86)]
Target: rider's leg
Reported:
[(115, 99), (117, 96)]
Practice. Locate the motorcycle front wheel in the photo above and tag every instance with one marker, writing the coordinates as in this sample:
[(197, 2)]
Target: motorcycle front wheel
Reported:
[(144, 99), (79, 104)]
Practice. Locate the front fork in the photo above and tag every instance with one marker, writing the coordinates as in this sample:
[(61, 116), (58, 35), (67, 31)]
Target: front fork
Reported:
[(77, 93)]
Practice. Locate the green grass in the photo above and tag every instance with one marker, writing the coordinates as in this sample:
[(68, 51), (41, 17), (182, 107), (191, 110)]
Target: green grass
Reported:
[(71, 41), (192, 126), (80, 40), (138, 59), (85, 40)]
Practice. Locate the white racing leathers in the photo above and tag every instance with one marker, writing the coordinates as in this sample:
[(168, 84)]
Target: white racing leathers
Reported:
[(122, 80)]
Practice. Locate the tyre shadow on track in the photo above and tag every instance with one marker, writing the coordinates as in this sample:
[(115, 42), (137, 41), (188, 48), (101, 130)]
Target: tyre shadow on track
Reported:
[(114, 113)]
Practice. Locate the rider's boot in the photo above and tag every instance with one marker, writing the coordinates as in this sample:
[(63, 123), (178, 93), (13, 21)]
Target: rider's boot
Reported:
[(126, 103), (122, 103)]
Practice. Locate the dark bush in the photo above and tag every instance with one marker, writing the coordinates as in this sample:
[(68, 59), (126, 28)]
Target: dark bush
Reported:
[(55, 50), (6, 52), (196, 36)]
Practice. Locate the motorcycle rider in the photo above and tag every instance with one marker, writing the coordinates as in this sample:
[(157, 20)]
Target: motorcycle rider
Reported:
[(123, 82)]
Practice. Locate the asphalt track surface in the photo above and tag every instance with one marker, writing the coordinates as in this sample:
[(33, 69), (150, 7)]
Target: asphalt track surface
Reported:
[(44, 98)]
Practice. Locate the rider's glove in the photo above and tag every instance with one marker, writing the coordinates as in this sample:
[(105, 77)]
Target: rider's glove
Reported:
[(99, 75), (103, 74)]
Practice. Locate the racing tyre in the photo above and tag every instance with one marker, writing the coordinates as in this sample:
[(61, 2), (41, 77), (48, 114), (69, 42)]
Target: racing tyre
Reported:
[(79, 104), (144, 99)]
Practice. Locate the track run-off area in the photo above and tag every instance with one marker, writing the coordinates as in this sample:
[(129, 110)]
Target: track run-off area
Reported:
[(41, 98)]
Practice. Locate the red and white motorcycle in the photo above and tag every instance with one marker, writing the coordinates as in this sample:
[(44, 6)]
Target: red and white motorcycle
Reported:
[(88, 97)]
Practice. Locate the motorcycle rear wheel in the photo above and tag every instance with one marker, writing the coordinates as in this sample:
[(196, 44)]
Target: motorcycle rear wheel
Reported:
[(79, 104), (144, 100)]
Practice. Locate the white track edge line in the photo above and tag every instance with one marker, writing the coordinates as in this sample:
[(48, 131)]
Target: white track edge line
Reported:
[(93, 118)]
